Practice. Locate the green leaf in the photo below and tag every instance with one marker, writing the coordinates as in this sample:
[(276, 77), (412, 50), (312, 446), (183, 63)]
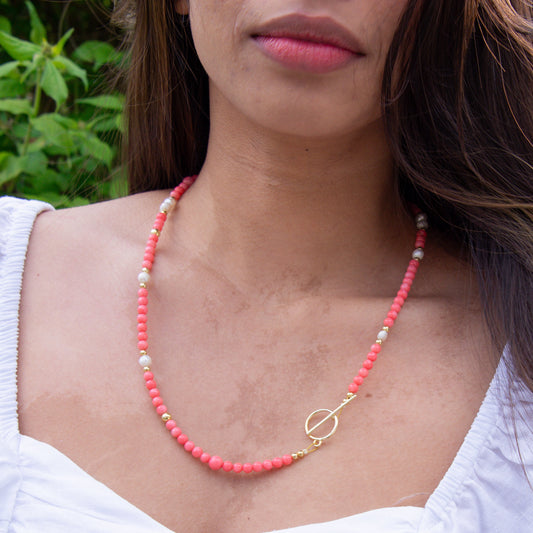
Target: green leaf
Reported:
[(96, 52), (17, 48), (58, 48), (66, 122), (3, 157), (7, 68), (53, 83), (16, 106), (31, 67), (10, 167), (62, 63), (5, 25), (57, 200), (11, 88), (107, 101), (93, 146), (104, 123), (54, 133), (37, 33)]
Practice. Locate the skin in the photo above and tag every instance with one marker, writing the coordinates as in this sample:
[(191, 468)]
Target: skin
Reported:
[(271, 282)]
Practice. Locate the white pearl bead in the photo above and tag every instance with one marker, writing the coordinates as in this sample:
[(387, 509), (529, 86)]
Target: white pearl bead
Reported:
[(383, 335), (421, 221), (145, 360), (167, 205), (143, 277), (418, 254)]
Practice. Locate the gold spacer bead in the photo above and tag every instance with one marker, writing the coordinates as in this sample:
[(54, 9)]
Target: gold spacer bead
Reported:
[(301, 454), (156, 232), (143, 352), (350, 395), (146, 369), (294, 456), (379, 341), (386, 328), (166, 417), (143, 285), (146, 270)]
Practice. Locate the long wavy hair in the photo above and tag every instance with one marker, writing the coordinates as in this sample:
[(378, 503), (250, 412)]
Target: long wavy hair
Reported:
[(457, 102)]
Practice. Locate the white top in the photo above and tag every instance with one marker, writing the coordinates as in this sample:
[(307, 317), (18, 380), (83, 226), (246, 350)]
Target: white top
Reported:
[(41, 490)]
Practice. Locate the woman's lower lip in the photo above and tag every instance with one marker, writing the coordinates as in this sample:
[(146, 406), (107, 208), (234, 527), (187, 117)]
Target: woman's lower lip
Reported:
[(308, 56)]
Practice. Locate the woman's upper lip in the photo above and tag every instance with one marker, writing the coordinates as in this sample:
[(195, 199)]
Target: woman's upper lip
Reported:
[(315, 29)]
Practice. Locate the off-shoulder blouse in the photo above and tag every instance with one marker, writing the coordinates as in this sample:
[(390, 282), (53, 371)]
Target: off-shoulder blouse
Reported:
[(485, 490)]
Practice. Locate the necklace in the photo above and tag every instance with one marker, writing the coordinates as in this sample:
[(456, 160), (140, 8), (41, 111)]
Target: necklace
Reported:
[(321, 424)]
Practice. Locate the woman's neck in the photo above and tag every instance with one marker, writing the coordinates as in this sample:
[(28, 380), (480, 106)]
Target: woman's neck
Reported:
[(271, 209)]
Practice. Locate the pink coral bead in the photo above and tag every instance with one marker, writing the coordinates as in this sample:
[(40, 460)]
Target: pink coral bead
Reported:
[(189, 446), (277, 462), (215, 463), (247, 468), (182, 439), (175, 432), (287, 459), (197, 452), (257, 466), (227, 466), (237, 468)]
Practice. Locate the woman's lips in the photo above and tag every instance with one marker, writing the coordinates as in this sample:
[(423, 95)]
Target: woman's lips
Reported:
[(312, 44)]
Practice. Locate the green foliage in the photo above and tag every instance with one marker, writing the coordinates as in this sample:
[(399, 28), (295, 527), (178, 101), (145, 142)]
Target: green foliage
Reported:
[(58, 133)]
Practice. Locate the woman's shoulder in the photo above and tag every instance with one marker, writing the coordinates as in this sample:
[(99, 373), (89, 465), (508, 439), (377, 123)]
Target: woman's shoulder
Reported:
[(117, 217)]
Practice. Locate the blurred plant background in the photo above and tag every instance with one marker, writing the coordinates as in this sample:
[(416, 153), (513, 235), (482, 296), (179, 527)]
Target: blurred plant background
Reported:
[(60, 109)]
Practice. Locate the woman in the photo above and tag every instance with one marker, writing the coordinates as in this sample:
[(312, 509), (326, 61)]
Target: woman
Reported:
[(275, 275)]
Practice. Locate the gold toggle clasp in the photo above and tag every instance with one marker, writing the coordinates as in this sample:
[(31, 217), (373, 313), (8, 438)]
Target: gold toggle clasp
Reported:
[(331, 415)]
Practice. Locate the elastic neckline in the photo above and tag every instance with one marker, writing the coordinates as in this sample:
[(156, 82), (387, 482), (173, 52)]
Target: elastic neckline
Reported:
[(16, 218)]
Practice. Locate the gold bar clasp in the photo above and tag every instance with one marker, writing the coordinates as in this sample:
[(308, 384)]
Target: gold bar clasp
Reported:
[(331, 415)]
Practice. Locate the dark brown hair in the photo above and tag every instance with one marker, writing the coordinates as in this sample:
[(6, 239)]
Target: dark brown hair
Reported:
[(458, 106)]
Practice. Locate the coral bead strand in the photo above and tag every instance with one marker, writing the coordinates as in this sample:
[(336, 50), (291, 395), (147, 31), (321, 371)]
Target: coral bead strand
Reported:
[(214, 461), (397, 304)]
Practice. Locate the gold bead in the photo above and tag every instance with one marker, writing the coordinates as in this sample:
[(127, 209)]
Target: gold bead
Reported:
[(379, 341), (156, 232), (146, 270), (386, 328), (301, 454), (350, 395), (143, 352), (166, 417), (294, 456), (146, 369), (143, 285)]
